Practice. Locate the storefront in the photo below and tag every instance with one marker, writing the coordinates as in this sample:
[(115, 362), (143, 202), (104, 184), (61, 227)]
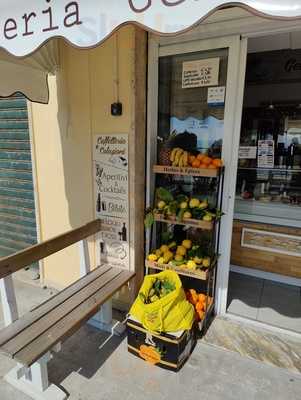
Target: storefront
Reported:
[(265, 200), (254, 121)]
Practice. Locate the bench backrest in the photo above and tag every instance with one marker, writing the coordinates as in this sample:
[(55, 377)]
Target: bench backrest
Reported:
[(17, 261)]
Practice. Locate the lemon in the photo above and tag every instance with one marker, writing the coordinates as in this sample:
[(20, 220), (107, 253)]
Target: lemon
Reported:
[(187, 214), (161, 205), (207, 218), (178, 257), (187, 244), (167, 256), (164, 248), (198, 260), (194, 203), (158, 253), (206, 262), (184, 205), (152, 257), (191, 265), (181, 250), (203, 205), (161, 260)]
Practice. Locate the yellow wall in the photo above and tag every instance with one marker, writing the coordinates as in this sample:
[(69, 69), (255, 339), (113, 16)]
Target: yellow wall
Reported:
[(80, 99)]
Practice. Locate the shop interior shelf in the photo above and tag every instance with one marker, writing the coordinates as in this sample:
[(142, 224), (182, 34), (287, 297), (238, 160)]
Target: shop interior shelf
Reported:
[(196, 223), (188, 171), (197, 274)]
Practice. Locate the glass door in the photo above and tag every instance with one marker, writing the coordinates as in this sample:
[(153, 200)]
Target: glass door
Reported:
[(195, 103)]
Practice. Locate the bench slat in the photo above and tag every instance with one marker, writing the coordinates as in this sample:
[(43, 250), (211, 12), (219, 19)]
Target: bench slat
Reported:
[(71, 322), (15, 262), (29, 318), (38, 327)]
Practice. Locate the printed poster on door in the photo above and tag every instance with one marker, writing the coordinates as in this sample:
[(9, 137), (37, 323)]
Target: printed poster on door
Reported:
[(200, 73), (265, 154), (111, 167)]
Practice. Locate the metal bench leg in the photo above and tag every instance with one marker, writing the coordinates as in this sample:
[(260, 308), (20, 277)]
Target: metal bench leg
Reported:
[(34, 381)]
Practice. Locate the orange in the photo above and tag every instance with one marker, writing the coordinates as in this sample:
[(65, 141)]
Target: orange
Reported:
[(201, 156), (203, 166), (217, 162), (212, 166), (194, 296), (196, 163), (201, 314), (207, 160), (191, 158), (202, 297), (199, 306)]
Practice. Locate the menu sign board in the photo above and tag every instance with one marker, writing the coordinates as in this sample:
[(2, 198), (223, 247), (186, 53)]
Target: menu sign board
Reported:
[(112, 197), (265, 154), (200, 73)]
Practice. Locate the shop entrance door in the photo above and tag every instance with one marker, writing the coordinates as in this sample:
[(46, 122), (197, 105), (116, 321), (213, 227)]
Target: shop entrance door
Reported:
[(265, 278), (210, 109)]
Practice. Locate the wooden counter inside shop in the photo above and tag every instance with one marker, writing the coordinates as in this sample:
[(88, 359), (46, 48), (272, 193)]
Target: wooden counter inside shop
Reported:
[(269, 248)]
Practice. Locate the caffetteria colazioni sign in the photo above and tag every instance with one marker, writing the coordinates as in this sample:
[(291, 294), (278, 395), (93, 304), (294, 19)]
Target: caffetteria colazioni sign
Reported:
[(26, 25)]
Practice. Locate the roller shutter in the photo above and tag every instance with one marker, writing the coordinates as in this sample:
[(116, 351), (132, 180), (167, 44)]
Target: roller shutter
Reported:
[(17, 207)]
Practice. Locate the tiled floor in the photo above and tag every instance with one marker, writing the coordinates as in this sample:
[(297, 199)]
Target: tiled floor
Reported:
[(266, 301)]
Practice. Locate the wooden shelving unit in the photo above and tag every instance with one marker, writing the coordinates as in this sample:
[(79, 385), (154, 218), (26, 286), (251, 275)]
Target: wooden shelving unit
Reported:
[(203, 278)]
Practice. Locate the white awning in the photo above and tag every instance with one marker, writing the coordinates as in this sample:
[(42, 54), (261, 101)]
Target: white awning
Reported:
[(26, 25), (29, 75)]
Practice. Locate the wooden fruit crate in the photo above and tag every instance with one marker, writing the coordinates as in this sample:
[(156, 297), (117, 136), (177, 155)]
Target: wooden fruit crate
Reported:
[(196, 223), (197, 274)]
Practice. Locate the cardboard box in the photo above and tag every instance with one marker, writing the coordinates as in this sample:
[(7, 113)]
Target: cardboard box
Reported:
[(169, 351)]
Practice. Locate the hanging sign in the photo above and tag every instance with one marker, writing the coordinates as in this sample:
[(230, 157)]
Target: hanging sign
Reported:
[(200, 73), (26, 25), (265, 154), (112, 198)]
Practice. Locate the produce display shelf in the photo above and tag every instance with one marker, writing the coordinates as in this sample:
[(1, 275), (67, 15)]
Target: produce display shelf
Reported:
[(196, 223), (187, 171), (197, 274)]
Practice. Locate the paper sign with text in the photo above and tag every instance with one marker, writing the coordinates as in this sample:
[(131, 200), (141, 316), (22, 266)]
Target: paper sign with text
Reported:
[(200, 73)]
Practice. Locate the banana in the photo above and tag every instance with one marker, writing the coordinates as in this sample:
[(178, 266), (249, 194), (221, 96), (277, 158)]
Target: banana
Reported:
[(177, 156), (185, 159), (173, 154), (181, 161)]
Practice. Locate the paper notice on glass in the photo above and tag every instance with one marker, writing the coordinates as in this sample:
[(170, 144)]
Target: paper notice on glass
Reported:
[(200, 73), (216, 96), (247, 152), (265, 154), (112, 198)]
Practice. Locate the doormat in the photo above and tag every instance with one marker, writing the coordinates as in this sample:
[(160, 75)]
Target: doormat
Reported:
[(278, 350)]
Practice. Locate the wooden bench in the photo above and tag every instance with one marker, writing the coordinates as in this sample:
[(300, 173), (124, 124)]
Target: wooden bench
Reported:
[(30, 339)]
